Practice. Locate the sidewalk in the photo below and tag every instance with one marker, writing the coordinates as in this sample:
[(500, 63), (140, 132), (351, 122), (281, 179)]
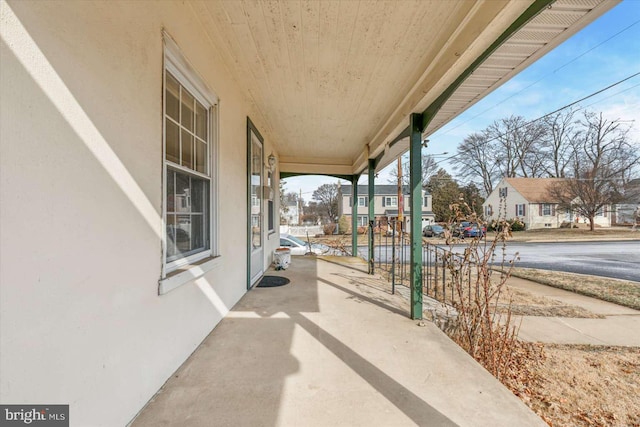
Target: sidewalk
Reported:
[(619, 327)]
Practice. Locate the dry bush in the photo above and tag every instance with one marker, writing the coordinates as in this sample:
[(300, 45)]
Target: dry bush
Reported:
[(485, 330), (329, 229)]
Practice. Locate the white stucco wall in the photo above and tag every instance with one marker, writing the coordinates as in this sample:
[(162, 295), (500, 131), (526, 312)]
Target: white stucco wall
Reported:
[(80, 219)]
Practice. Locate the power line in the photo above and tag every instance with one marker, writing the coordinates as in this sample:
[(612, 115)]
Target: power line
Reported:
[(548, 114), (544, 77), (612, 95)]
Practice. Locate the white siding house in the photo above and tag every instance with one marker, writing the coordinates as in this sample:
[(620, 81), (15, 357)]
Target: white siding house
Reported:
[(527, 199), (385, 203)]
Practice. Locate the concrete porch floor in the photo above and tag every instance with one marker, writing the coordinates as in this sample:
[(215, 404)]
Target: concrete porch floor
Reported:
[(332, 348)]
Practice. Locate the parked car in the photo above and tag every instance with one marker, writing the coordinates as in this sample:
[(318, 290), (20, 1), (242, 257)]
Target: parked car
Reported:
[(300, 247), (433, 230), (469, 229)]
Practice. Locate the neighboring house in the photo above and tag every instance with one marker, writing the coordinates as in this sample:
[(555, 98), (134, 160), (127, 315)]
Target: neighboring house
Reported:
[(385, 204), (528, 200), (292, 215), (623, 213)]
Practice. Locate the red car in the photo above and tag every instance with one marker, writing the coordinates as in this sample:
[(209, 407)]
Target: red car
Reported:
[(469, 229)]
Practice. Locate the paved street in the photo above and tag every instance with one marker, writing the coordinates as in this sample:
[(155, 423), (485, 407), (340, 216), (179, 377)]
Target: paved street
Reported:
[(615, 259)]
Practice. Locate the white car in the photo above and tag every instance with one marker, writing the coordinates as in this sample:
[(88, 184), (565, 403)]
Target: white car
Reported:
[(300, 247)]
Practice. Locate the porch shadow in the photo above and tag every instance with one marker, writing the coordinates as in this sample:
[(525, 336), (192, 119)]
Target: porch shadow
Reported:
[(408, 402), (326, 350)]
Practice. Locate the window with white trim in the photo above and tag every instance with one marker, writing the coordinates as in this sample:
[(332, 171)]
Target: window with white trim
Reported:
[(362, 201), (363, 220), (190, 118), (520, 210), (546, 209), (391, 201)]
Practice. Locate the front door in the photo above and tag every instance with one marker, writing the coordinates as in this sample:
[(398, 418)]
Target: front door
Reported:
[(256, 206)]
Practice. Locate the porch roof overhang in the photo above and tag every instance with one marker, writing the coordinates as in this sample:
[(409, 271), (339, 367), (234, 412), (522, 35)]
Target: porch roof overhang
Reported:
[(333, 83)]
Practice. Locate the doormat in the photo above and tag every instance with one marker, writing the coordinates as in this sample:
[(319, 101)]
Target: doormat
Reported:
[(272, 282)]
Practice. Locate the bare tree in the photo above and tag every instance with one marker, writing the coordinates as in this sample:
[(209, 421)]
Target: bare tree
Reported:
[(517, 141), (429, 167), (560, 146), (604, 162), (327, 197), (477, 161)]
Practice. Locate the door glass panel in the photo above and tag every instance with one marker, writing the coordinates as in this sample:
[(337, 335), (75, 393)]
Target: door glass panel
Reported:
[(256, 187)]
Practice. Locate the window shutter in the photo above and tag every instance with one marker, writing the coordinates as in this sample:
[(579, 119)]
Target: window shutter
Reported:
[(524, 209), (516, 209), (350, 201), (366, 201), (553, 210), (383, 201), (540, 209)]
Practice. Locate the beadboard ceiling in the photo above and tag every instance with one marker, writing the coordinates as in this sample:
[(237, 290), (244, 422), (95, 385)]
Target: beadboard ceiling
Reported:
[(334, 82)]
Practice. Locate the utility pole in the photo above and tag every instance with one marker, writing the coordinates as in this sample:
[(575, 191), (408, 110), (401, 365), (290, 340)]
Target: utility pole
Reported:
[(400, 201), (300, 208)]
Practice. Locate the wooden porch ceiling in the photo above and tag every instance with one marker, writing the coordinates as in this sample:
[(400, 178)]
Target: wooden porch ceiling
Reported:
[(334, 82)]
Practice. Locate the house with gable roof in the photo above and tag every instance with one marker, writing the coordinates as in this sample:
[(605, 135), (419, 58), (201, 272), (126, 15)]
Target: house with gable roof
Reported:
[(528, 199), (386, 204)]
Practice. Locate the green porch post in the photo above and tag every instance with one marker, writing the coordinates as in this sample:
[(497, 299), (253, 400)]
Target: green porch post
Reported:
[(371, 188), (415, 173), (354, 216)]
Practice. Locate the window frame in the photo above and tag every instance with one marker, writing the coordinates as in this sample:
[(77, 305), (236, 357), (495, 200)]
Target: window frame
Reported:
[(362, 201), (520, 210), (363, 220), (271, 203), (391, 201), (546, 206), (182, 71)]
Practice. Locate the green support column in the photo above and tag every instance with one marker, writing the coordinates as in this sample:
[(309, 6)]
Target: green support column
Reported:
[(354, 216), (415, 183), (371, 204)]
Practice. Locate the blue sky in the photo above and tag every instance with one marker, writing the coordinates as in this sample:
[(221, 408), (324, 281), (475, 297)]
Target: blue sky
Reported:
[(606, 51)]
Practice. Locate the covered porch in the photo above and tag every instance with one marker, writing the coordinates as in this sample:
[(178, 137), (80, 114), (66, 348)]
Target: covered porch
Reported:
[(333, 347), (142, 148)]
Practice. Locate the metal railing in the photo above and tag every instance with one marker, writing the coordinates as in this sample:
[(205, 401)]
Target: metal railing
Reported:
[(442, 269)]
